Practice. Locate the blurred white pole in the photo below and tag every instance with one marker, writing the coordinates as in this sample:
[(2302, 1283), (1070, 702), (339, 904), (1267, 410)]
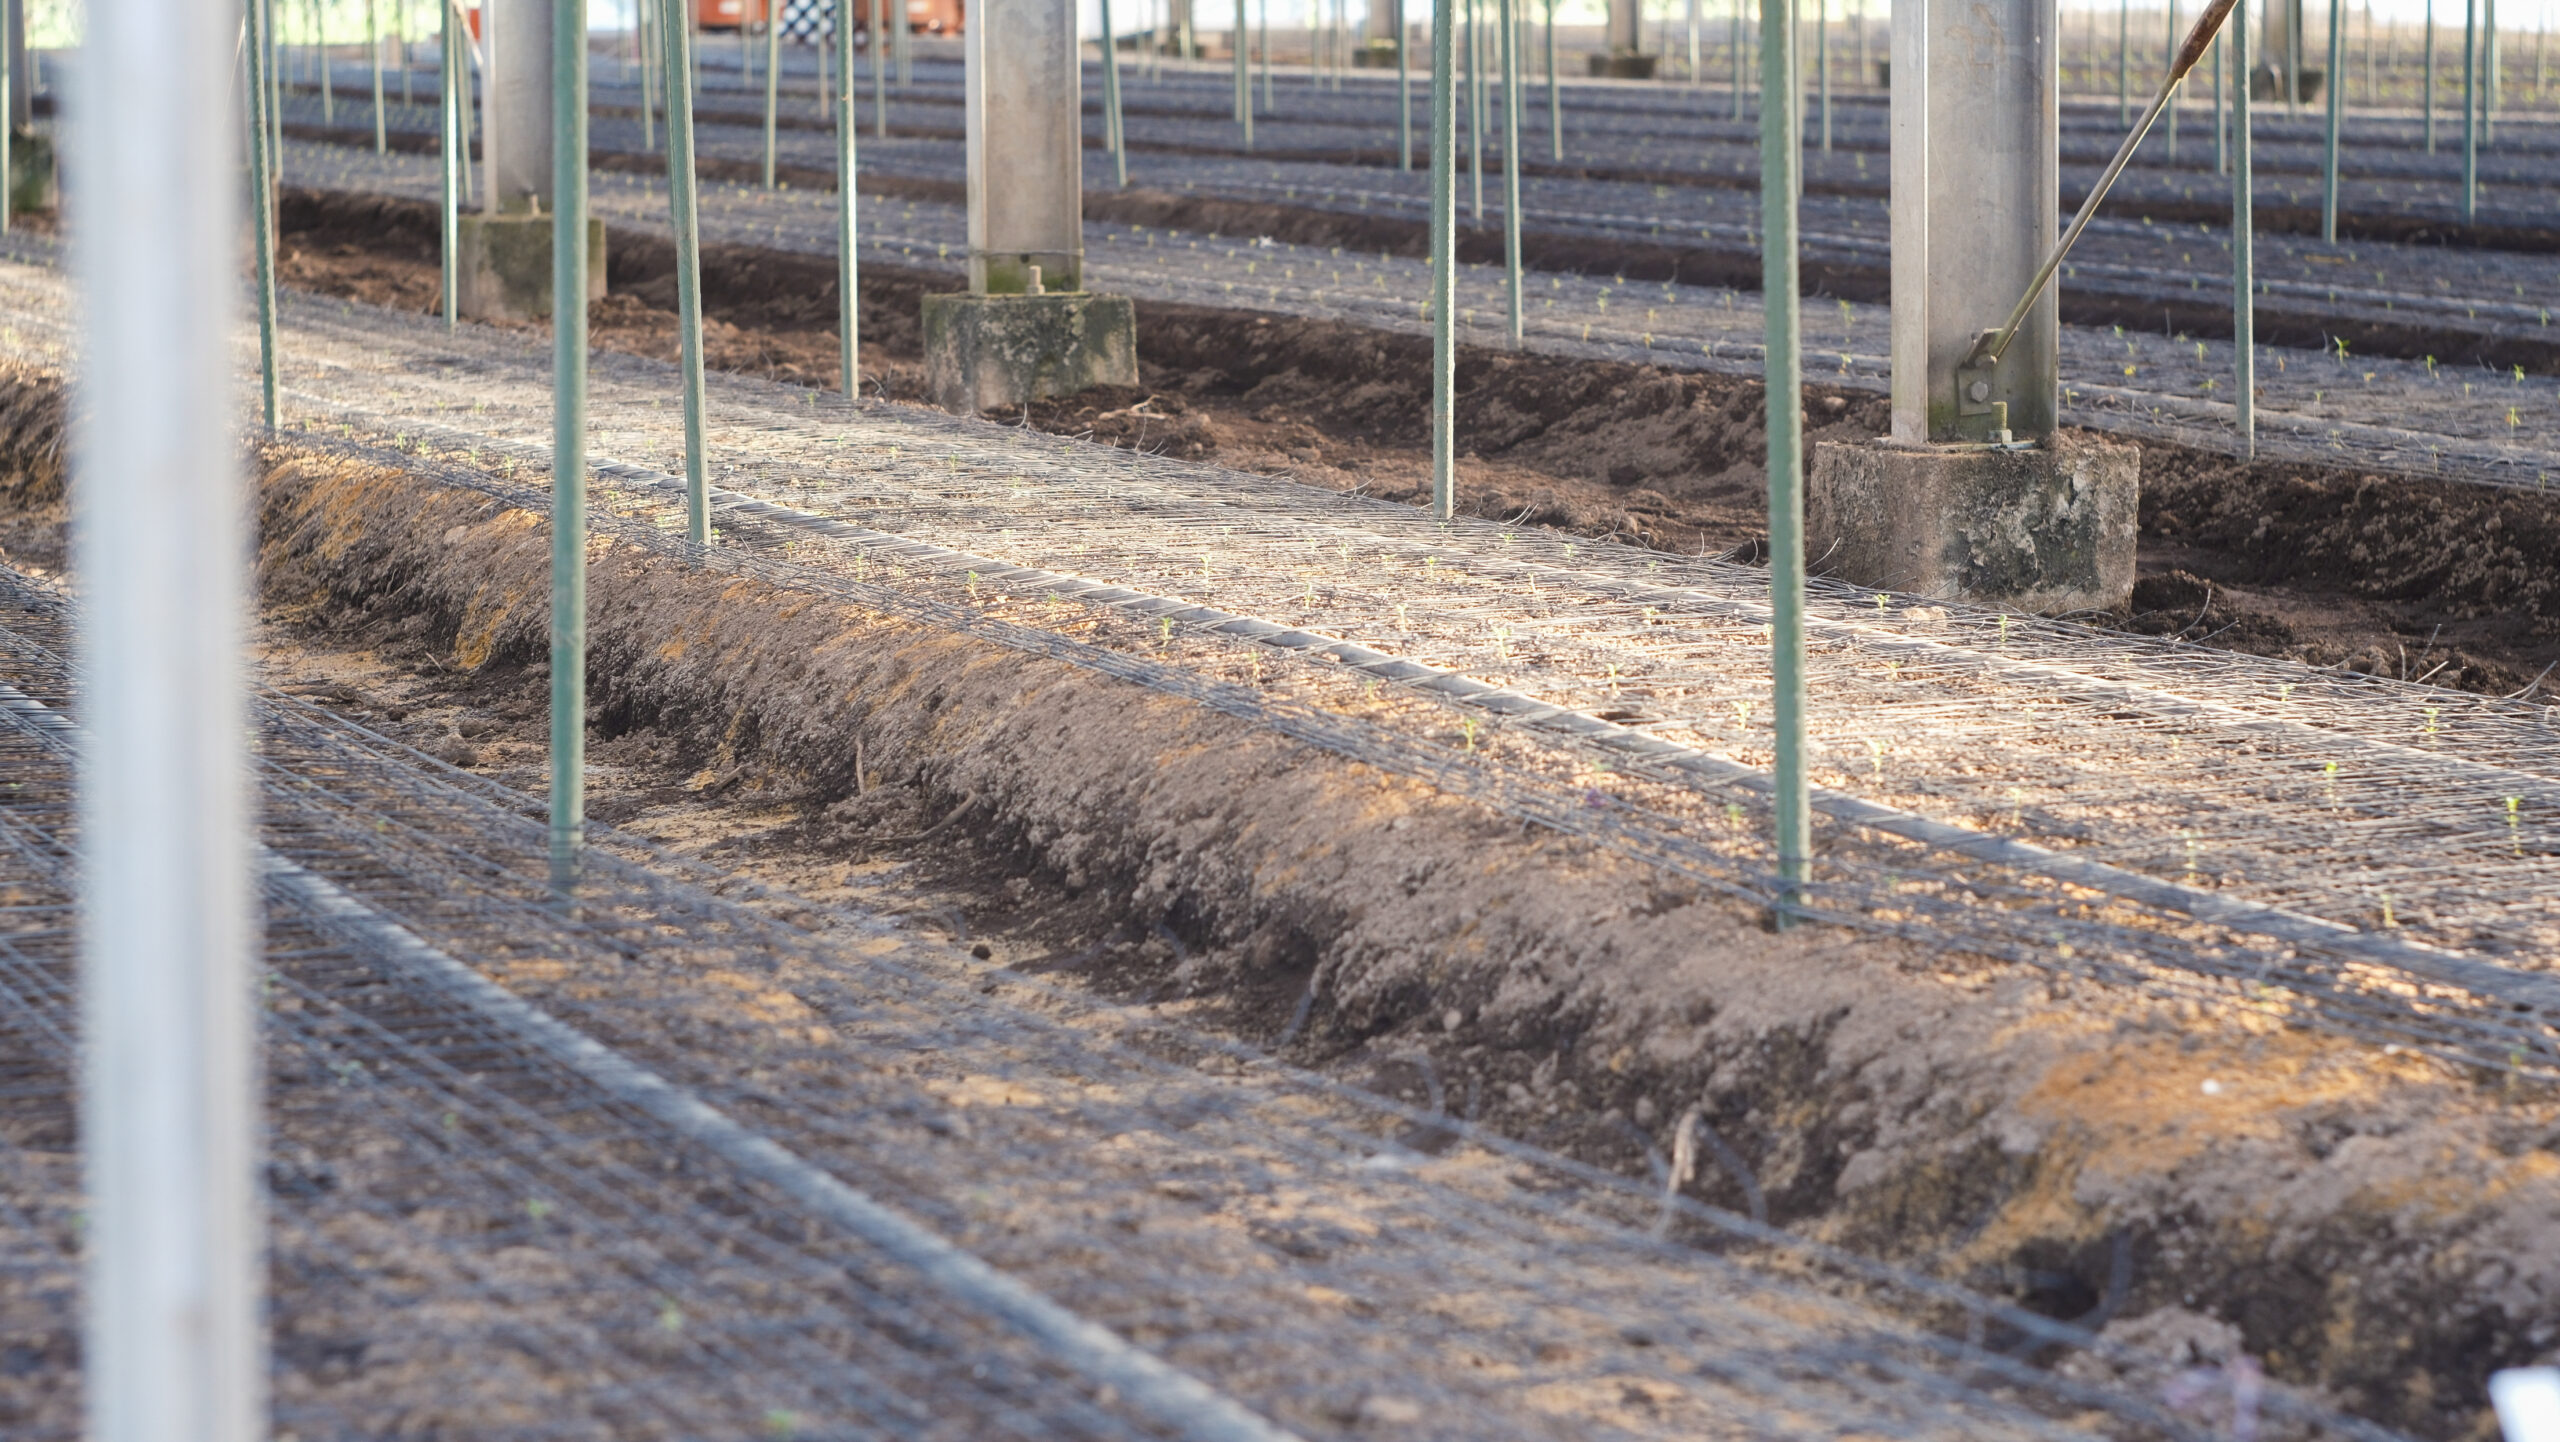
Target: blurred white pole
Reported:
[(174, 1349)]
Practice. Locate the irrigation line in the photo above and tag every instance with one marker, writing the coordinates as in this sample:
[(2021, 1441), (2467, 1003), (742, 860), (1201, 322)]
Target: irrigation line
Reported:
[(1627, 744)]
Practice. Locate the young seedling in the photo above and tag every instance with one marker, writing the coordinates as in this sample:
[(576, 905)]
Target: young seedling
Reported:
[(1468, 725)]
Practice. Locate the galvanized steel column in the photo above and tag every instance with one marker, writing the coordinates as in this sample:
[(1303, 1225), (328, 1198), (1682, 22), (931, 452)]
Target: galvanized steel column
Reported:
[(257, 19), (448, 149), (516, 131), (1025, 142), (1975, 189), (568, 442), (685, 219), (772, 87), (2337, 99), (1511, 169), (174, 1345), (2244, 280), (2470, 109), (1780, 158), (1115, 135)]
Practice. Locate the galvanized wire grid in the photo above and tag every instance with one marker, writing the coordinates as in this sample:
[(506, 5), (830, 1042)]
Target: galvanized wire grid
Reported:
[(2427, 814), (422, 1155), (2471, 425)]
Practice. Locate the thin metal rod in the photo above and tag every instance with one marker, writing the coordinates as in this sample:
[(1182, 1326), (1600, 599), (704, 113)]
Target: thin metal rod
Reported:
[(174, 1347), (449, 146), (2427, 68), (2336, 116), (1510, 54), (1822, 64), (320, 67), (848, 175), (568, 440), (2169, 57), (9, 113), (2221, 119), (642, 36), (1996, 342), (685, 219), (1263, 39), (1113, 133), (275, 91), (262, 192), (1738, 60), (772, 87), (1444, 257), (1475, 113), (902, 45), (2470, 110), (1780, 158), (1242, 85), (1404, 92), (2244, 281), (373, 44), (2124, 55), (1555, 98)]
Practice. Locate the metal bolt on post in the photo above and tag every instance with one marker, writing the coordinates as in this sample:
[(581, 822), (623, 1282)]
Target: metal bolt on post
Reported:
[(2244, 337), (1115, 136), (2336, 117), (1443, 299), (848, 259), (568, 440), (1510, 60), (1780, 158), (685, 218)]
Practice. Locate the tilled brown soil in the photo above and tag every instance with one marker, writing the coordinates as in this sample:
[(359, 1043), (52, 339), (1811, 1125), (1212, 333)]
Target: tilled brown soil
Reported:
[(2387, 575)]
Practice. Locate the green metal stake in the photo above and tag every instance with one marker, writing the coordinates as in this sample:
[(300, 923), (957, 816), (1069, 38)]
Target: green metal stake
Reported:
[(2221, 126), (2171, 60), (848, 260), (1822, 64), (772, 90), (568, 440), (1263, 39), (2470, 110), (2428, 85), (685, 218), (2124, 53), (880, 68), (2336, 88), (9, 113), (1555, 101), (1475, 114), (1510, 58), (320, 67), (1737, 60), (2244, 282), (1780, 157), (1240, 43), (449, 154), (262, 195), (1443, 302), (373, 43), (275, 93), (1113, 133), (1404, 95)]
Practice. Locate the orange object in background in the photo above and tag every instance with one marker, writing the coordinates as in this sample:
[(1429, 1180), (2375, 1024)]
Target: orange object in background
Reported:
[(727, 14), (471, 18)]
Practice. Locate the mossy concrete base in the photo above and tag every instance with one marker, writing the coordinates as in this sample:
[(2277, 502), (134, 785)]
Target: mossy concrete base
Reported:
[(1623, 65), (502, 266), (31, 173), (2048, 530), (997, 352)]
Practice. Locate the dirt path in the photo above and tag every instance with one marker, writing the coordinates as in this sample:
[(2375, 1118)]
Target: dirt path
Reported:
[(2383, 575)]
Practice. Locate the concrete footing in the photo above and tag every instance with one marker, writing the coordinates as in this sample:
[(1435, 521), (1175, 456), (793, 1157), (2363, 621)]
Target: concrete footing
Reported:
[(31, 173), (2048, 530), (997, 352), (1623, 66), (502, 266)]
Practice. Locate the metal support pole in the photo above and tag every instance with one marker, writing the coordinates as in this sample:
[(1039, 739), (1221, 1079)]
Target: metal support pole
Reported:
[(2470, 110), (903, 44), (2124, 55), (2336, 88), (275, 89), (1510, 60), (684, 218), (568, 439), (448, 153), (1113, 133), (1738, 59), (373, 45), (2221, 121), (1780, 157), (1404, 90), (1822, 64), (1262, 39), (2244, 281), (2488, 72), (642, 33), (1475, 113), (2427, 66), (320, 67), (880, 68), (174, 1345), (408, 56), (259, 19), (772, 88), (848, 258), (2170, 59), (9, 113), (1242, 84), (1443, 301), (1555, 98)]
